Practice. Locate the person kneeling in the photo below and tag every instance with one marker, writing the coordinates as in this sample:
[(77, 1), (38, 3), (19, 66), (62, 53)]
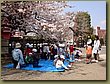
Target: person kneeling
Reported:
[(60, 63)]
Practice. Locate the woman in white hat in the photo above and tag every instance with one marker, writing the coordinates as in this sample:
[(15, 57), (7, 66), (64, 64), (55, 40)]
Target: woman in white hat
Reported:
[(17, 55), (88, 53), (59, 63), (89, 40)]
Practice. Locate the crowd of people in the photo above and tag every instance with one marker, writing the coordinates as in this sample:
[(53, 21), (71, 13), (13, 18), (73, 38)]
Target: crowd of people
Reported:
[(58, 54)]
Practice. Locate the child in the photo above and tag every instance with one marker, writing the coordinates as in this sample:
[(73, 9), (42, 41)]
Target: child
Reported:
[(71, 61), (35, 57), (60, 63), (27, 50), (56, 57), (29, 59), (78, 54), (88, 53)]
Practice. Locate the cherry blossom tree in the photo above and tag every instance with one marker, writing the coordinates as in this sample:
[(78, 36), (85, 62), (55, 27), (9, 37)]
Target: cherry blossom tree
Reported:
[(45, 16)]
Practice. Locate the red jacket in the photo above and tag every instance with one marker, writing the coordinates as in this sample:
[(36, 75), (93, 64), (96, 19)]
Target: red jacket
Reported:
[(71, 48), (27, 51)]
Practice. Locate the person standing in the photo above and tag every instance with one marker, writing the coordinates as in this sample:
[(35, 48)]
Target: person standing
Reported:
[(96, 48), (17, 56), (89, 40), (88, 52)]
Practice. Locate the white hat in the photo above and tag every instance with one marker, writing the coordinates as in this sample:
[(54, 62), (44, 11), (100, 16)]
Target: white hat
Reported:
[(30, 53), (89, 42), (34, 50), (18, 45), (62, 56), (27, 44), (30, 46), (55, 56)]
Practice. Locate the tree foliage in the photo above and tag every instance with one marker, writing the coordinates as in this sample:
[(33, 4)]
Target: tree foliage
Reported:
[(83, 24), (35, 15)]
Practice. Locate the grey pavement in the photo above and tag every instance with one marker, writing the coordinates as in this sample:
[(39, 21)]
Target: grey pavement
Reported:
[(103, 53)]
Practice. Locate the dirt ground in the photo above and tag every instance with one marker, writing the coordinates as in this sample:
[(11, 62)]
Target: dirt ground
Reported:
[(80, 71)]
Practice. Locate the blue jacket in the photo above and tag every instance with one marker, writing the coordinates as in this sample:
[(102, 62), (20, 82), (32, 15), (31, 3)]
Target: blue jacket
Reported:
[(18, 56)]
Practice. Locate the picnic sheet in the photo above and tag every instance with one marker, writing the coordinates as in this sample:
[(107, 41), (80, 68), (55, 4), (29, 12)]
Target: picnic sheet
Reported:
[(44, 65)]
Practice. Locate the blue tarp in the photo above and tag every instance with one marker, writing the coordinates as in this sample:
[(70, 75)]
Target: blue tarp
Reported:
[(44, 65)]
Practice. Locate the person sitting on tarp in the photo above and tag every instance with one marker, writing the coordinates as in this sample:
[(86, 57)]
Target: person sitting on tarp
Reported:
[(59, 63), (56, 57), (28, 49), (29, 59), (35, 57)]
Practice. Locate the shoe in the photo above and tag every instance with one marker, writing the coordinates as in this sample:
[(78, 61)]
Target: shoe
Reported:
[(88, 63), (76, 59), (69, 65)]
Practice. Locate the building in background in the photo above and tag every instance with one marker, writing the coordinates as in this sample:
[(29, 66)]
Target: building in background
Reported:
[(101, 33)]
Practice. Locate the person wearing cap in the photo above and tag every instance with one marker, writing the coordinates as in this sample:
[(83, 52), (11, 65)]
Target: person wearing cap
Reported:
[(88, 52), (28, 49), (17, 56), (35, 57), (29, 59), (60, 63), (89, 40)]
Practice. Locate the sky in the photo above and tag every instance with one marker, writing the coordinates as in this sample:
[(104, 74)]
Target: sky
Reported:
[(96, 9)]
